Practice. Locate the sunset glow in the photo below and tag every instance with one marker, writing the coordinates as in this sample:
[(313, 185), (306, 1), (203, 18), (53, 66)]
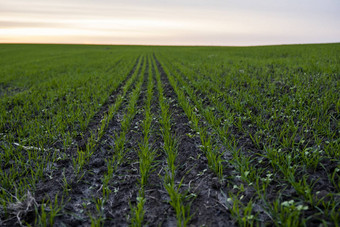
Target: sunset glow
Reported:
[(170, 23)]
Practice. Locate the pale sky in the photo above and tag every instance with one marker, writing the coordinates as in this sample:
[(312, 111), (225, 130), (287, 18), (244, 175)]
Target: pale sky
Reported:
[(175, 22)]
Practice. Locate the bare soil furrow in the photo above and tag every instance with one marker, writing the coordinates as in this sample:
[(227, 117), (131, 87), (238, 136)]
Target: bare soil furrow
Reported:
[(158, 211), (192, 166), (80, 190), (81, 140), (124, 183), (278, 185), (318, 177), (232, 170)]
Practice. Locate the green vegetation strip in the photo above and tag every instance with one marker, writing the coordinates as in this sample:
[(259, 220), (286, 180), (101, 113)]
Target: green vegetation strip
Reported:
[(44, 119), (119, 151), (267, 118), (83, 156), (145, 153), (177, 199), (278, 159)]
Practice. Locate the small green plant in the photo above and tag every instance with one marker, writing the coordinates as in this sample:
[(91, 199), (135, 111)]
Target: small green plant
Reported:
[(48, 211), (137, 212)]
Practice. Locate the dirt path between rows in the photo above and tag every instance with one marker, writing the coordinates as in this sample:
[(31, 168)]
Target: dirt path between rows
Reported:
[(192, 166), (80, 189), (124, 187)]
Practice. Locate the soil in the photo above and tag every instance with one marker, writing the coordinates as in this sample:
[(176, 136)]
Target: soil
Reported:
[(208, 200), (81, 140), (81, 189), (322, 186), (9, 90)]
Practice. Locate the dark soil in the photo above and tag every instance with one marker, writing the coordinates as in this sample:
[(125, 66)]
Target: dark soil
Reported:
[(9, 90), (192, 166), (158, 211), (125, 179), (92, 127), (322, 186), (83, 188), (208, 193)]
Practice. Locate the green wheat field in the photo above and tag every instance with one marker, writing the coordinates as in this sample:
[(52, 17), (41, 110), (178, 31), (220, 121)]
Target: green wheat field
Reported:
[(95, 135)]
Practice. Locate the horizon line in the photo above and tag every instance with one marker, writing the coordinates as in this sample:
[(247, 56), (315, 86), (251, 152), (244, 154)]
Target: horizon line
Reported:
[(169, 45)]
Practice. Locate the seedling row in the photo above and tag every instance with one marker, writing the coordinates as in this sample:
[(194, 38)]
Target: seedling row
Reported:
[(170, 136)]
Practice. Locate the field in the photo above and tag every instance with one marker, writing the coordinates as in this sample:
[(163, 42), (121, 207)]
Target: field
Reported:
[(166, 136)]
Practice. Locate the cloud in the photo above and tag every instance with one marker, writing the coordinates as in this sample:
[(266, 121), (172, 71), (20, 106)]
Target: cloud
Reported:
[(24, 24), (170, 22)]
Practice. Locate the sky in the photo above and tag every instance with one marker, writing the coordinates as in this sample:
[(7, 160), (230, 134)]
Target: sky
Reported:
[(175, 22)]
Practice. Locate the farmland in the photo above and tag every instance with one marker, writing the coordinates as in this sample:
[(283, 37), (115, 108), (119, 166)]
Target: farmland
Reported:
[(186, 136)]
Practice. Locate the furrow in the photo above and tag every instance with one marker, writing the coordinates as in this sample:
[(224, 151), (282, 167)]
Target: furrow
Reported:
[(157, 209), (198, 181), (257, 173), (96, 120), (120, 182), (78, 178)]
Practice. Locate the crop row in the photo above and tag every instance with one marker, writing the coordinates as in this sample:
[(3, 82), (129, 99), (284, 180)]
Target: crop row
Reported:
[(160, 136), (260, 160)]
